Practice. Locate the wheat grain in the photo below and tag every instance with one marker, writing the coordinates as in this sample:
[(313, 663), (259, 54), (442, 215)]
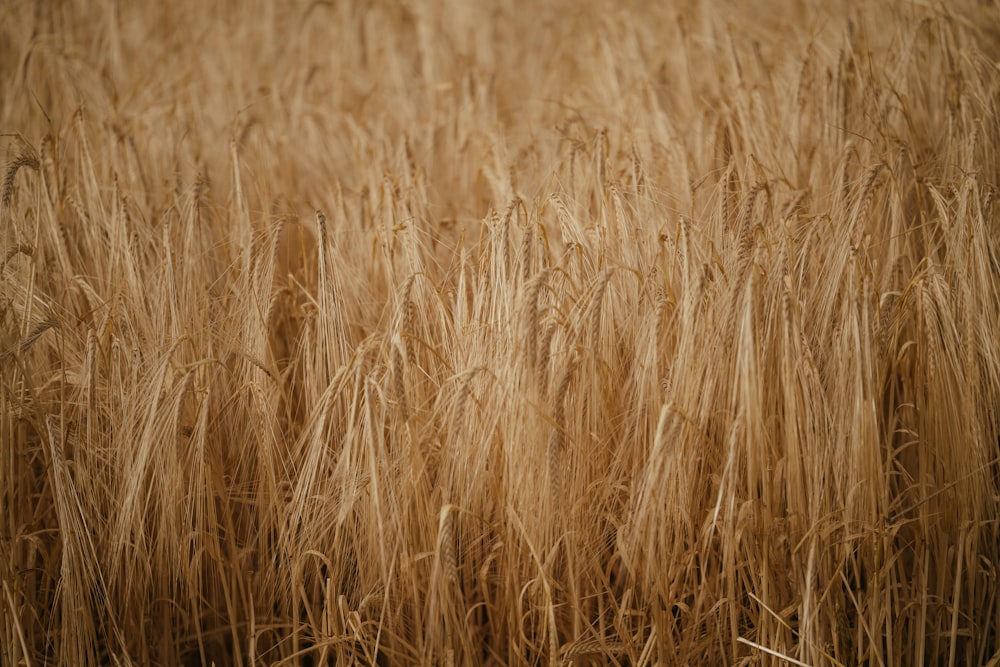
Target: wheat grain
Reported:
[(534, 289), (867, 194), (544, 350), (8, 183), (554, 462), (398, 370), (17, 248), (446, 530), (598, 301), (592, 646), (25, 343), (409, 320), (557, 436)]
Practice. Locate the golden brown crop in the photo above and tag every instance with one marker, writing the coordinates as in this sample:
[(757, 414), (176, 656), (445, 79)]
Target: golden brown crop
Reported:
[(499, 332)]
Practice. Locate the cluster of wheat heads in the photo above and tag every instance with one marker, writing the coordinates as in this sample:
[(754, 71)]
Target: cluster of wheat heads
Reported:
[(467, 333)]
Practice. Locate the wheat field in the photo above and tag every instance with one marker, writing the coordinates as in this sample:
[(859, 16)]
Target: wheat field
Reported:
[(499, 332)]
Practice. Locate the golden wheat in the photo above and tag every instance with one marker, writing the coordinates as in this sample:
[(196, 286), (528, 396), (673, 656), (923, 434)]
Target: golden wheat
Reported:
[(499, 333)]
